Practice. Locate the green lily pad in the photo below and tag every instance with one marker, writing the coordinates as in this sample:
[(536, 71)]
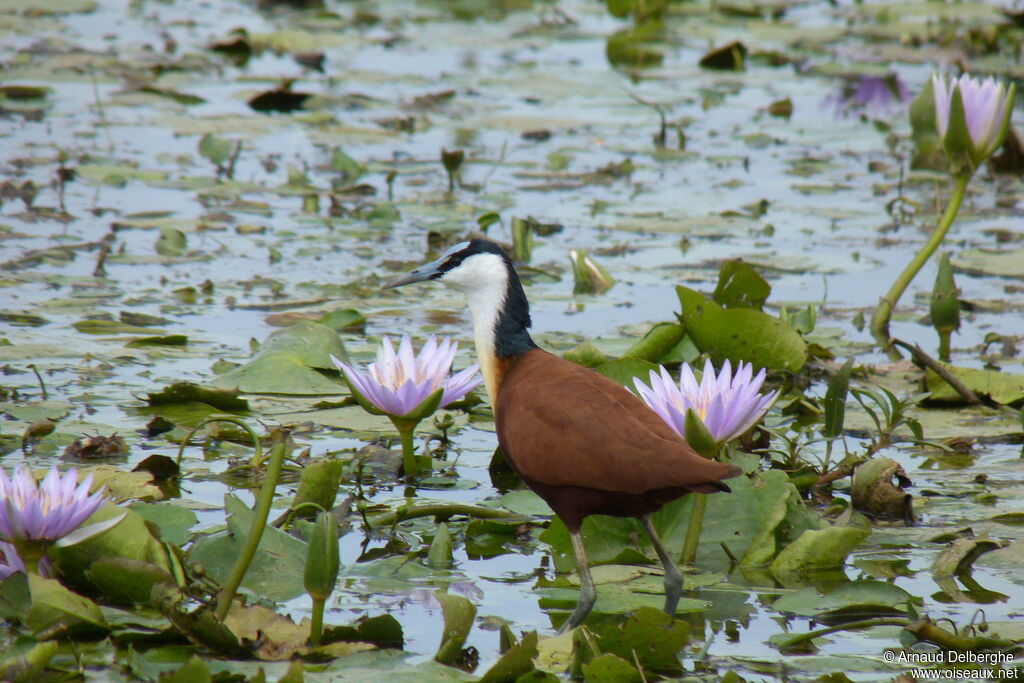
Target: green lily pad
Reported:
[(173, 521), (56, 611), (290, 362), (851, 601), (278, 567), (187, 392), (754, 522), (741, 334), (1004, 263), (1001, 387), (625, 369)]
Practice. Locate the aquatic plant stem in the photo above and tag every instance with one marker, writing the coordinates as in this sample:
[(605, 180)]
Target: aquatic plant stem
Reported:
[(883, 313), (406, 432), (30, 553), (689, 554), (316, 629), (259, 522), (442, 511)]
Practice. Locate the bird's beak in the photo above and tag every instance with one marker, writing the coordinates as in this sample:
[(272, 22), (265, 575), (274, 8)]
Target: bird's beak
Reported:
[(428, 271)]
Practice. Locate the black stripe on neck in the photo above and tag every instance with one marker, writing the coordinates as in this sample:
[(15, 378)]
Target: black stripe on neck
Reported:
[(511, 335)]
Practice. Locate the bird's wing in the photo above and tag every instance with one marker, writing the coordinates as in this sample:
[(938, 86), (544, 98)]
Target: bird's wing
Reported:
[(564, 425)]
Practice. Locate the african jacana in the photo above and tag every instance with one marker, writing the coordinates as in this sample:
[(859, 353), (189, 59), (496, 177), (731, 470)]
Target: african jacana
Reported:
[(581, 441)]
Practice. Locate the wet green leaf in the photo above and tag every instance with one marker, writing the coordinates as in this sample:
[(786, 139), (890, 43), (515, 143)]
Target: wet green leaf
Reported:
[(625, 369), (650, 636), (193, 671), (345, 319), (609, 668), (659, 341), (173, 521), (740, 334), (834, 403), (740, 286), (439, 555), (123, 581), (56, 611), (849, 602), (318, 484), (171, 242), (129, 539), (290, 361), (458, 620), (1001, 387), (960, 554), (277, 570), (187, 392), (815, 550), (514, 662), (215, 149)]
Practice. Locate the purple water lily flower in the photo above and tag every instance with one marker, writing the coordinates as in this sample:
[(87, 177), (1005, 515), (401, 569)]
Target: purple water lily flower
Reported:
[(398, 383), (986, 104), (727, 404), (48, 511)]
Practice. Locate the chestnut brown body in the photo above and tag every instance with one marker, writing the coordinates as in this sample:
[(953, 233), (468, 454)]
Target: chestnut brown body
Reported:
[(587, 445)]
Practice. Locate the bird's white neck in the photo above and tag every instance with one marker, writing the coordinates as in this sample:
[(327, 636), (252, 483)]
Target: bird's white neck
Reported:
[(484, 281)]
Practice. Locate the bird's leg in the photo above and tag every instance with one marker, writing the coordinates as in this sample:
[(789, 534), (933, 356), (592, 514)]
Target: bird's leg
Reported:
[(588, 594), (673, 579)]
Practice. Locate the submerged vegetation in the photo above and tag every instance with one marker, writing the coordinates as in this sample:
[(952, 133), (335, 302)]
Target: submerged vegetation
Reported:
[(200, 203)]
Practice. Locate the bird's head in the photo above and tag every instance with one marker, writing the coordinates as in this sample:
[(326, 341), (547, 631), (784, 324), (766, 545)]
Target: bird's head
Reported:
[(474, 266), (485, 274)]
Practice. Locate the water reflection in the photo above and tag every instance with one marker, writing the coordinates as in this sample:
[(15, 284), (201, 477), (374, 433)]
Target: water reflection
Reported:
[(868, 95)]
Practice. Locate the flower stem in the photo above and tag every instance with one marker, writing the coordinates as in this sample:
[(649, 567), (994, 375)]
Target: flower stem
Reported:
[(944, 336), (409, 463), (31, 554), (259, 522), (316, 629), (882, 314), (689, 554)]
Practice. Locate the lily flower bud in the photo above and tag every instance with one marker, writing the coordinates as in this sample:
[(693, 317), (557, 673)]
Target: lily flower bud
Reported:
[(323, 560), (972, 116)]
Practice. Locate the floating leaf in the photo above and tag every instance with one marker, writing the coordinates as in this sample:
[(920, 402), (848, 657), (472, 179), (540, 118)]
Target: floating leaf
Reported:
[(731, 57), (56, 611), (124, 581), (625, 369), (515, 662), (657, 343), (609, 668), (174, 521), (1001, 387), (849, 602), (215, 149), (960, 554), (740, 334), (187, 392), (289, 362), (817, 549), (171, 242), (740, 286), (458, 620), (874, 493), (649, 636), (278, 567)]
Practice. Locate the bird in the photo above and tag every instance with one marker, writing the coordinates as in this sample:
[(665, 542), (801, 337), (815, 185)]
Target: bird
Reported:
[(582, 442)]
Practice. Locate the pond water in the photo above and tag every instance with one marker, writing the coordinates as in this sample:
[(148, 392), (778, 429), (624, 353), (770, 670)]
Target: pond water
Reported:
[(821, 200)]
